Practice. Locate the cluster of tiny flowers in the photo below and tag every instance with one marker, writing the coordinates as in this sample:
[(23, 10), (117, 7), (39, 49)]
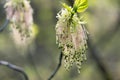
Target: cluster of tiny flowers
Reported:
[(71, 38), (19, 13)]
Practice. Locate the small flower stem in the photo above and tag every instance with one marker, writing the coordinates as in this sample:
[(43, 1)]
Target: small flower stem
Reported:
[(15, 68), (58, 66)]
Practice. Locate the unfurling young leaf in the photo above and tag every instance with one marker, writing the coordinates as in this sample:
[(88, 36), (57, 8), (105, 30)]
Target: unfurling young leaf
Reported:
[(80, 5)]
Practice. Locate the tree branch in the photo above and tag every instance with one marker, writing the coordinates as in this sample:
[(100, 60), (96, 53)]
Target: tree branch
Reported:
[(15, 68), (58, 66)]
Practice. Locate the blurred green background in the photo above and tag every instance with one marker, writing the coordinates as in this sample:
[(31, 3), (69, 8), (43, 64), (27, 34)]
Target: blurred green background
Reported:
[(41, 58)]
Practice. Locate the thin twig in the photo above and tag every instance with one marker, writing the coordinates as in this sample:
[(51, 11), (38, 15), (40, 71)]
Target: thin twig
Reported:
[(15, 68), (58, 67), (4, 25)]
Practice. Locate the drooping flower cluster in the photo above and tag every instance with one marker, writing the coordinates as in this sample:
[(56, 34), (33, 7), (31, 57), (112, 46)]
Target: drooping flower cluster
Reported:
[(71, 38), (19, 12)]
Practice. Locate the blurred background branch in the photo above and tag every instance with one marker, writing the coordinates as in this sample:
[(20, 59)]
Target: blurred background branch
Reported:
[(100, 64), (4, 25), (110, 33), (15, 68)]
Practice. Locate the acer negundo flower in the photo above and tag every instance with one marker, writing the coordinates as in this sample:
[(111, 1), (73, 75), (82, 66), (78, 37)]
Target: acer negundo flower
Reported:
[(19, 13), (71, 35)]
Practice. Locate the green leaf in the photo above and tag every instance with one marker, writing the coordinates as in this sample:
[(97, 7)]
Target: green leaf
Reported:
[(82, 8), (66, 6), (81, 5)]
